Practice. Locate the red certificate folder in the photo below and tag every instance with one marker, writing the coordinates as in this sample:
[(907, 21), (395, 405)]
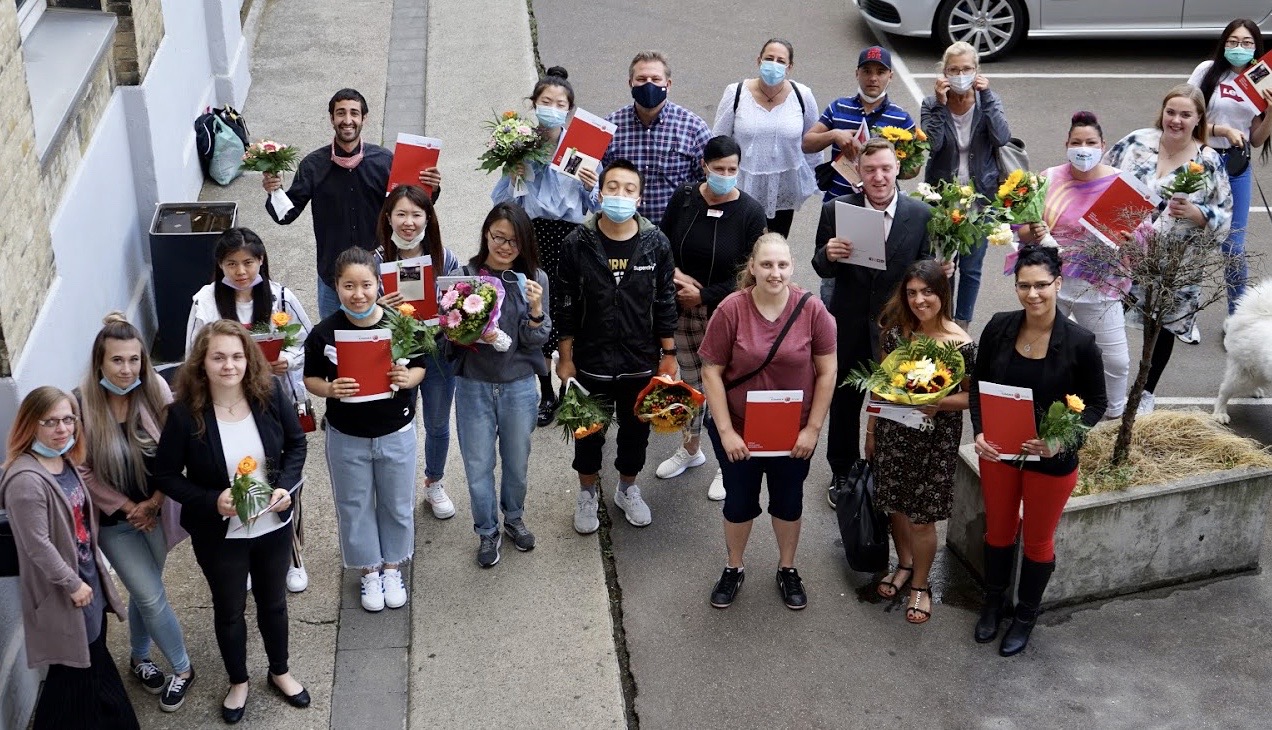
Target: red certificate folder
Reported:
[(771, 422), (1119, 210), (412, 155), (1007, 415), (416, 281), (271, 344), (583, 144), (365, 356), (1254, 80)]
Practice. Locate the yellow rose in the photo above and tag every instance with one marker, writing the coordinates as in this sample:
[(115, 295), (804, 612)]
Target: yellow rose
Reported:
[(406, 310), (246, 466), (280, 319), (1074, 403), (966, 191)]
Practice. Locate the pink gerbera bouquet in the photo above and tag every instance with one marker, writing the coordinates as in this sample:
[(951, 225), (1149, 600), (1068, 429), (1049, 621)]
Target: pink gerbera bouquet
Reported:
[(469, 310)]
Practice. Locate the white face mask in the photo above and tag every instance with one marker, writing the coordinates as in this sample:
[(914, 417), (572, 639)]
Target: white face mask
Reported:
[(962, 83), (1084, 159), (872, 99), (404, 244)]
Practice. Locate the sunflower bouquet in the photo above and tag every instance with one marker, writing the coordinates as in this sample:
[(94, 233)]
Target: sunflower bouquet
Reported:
[(668, 405), (919, 372), (250, 494), (278, 334), (1062, 426), (958, 223), (580, 415), (1021, 197), (912, 148)]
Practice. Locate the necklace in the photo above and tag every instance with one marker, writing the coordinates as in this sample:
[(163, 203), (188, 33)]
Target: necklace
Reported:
[(1029, 345), (230, 408), (770, 99)]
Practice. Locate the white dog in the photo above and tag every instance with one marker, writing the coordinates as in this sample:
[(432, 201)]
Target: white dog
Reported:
[(1248, 339)]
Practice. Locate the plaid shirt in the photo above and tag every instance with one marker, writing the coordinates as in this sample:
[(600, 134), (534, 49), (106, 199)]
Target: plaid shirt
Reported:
[(668, 154)]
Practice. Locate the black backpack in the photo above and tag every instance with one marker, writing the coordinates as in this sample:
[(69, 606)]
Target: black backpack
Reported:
[(205, 131)]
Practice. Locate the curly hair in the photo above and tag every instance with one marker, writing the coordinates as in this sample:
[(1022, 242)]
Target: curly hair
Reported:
[(192, 389)]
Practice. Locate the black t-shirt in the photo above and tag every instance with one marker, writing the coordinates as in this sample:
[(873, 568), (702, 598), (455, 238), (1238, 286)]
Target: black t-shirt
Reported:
[(129, 488), (366, 419), (619, 253)]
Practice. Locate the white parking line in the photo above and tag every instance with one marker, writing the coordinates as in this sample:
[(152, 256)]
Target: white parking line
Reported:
[(1186, 401), (899, 67), (991, 74)]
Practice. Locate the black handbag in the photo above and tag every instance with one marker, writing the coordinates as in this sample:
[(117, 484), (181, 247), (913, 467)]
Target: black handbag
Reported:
[(1237, 159), (864, 530), (8, 548)]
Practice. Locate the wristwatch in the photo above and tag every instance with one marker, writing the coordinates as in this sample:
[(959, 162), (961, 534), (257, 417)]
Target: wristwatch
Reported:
[(670, 353), (539, 319)]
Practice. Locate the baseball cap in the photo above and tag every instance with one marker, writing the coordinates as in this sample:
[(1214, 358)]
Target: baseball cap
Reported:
[(875, 54)]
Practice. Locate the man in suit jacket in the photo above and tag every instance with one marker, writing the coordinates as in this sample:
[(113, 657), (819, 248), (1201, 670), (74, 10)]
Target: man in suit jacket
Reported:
[(861, 292)]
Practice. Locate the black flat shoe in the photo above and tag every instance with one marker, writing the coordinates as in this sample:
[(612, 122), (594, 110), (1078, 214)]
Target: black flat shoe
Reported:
[(300, 699), (231, 715), (547, 410)]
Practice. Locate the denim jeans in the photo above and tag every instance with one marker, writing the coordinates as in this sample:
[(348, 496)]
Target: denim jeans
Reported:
[(969, 281), (1234, 246), (328, 300), (438, 394), (373, 481), (138, 559), (503, 411)]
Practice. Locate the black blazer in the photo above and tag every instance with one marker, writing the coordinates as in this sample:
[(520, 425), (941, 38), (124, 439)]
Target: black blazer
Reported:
[(202, 459), (1073, 365), (860, 292)]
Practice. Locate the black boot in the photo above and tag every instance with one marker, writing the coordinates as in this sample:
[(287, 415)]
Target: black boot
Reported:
[(995, 603), (1033, 581)]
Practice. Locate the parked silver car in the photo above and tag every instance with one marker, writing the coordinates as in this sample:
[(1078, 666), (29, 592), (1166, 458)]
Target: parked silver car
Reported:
[(994, 26)]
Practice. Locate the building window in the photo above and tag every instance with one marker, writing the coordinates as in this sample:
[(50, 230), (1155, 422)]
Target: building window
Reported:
[(29, 11)]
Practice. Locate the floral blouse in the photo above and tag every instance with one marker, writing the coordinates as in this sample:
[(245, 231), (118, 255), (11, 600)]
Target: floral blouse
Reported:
[(1136, 153)]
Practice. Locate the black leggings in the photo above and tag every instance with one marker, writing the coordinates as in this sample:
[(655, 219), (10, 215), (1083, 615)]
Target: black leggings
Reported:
[(1162, 351), (92, 698)]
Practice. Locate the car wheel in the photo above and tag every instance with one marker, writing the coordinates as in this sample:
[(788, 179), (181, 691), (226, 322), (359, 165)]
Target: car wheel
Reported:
[(993, 27)]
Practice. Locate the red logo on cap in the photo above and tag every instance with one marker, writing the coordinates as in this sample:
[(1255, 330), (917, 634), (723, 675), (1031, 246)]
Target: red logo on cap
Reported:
[(874, 54)]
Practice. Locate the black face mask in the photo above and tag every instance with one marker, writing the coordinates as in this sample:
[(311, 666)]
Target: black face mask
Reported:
[(649, 95)]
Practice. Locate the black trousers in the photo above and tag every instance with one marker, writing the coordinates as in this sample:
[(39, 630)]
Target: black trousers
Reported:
[(781, 222), (843, 432), (226, 565), (86, 699), (633, 434)]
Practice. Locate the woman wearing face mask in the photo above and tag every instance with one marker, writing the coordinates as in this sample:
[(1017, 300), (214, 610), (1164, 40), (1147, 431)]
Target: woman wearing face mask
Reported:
[(1234, 122), (711, 226), (1090, 296), (408, 228), (768, 117), (965, 124), (65, 587), (124, 404), (1154, 156), (556, 204), (243, 291)]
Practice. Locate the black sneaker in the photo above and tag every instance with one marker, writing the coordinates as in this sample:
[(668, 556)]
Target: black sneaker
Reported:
[(726, 589), (547, 409), (791, 588), (174, 694), (522, 538), (838, 482), (488, 550), (149, 674)]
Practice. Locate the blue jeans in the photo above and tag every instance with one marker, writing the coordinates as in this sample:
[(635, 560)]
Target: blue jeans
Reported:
[(328, 300), (138, 559), (438, 393), (373, 481), (1237, 272), (969, 281), (506, 411)]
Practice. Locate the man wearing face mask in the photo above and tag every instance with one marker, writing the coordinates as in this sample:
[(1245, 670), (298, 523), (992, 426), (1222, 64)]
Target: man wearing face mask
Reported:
[(614, 338), (664, 140), (346, 181)]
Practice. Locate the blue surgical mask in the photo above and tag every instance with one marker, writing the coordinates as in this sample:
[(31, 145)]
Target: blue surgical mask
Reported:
[(118, 390), (357, 315), (1238, 56), (618, 208), (230, 283), (962, 83), (720, 184), (649, 95), (772, 72), (550, 116), (51, 453)]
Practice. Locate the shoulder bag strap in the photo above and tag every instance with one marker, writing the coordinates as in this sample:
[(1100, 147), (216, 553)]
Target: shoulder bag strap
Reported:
[(737, 96), (799, 306)]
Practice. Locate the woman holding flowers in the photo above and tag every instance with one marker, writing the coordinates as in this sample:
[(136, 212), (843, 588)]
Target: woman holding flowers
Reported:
[(498, 387), (408, 228), (242, 291), (1172, 160), (914, 469), (1059, 359), (555, 202), (371, 449), (232, 422)]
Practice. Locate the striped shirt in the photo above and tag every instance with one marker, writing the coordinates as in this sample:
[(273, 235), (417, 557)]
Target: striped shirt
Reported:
[(848, 113), (668, 154)]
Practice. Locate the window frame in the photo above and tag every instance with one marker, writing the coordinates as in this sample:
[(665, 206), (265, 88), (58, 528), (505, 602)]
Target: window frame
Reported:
[(29, 12)]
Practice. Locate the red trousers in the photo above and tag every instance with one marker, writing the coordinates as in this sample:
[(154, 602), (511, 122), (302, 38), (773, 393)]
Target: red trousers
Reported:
[(1005, 488)]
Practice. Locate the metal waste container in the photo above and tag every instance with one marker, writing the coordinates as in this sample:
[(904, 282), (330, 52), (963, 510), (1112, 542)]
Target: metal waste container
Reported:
[(182, 237)]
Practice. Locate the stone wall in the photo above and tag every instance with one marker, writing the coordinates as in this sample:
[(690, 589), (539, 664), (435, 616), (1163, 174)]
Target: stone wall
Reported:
[(137, 37)]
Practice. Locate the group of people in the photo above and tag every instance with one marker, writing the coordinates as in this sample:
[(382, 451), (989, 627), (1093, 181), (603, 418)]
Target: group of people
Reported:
[(670, 258)]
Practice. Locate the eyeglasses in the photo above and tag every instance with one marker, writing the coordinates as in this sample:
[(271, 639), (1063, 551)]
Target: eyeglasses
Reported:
[(1025, 287), (1247, 44), (497, 240), (52, 422), (963, 70)]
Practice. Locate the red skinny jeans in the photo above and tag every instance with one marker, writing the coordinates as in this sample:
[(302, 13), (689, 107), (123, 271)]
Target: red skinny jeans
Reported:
[(1005, 487)]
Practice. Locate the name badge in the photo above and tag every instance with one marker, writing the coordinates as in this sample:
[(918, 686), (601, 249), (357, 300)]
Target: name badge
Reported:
[(713, 213)]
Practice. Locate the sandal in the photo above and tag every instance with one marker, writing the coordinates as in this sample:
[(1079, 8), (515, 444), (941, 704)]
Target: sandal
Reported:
[(884, 585), (914, 614)]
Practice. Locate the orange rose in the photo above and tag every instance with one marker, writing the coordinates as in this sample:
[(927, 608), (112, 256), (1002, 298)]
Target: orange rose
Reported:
[(1021, 191), (1194, 168), (919, 135), (280, 319), (246, 466), (1007, 202), (956, 215), (585, 431), (406, 310), (509, 115)]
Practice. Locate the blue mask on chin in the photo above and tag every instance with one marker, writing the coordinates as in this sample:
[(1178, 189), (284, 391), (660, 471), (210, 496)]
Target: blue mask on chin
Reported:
[(51, 453), (357, 315), (118, 390)]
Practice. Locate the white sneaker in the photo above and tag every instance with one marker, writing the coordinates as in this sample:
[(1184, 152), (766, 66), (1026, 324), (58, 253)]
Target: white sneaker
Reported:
[(372, 592), (715, 492), (679, 461), (634, 508), (443, 507), (1193, 337), (297, 579), (585, 520), (1145, 404), (394, 591)]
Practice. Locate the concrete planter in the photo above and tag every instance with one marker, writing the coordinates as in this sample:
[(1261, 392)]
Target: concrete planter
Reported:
[(1141, 538)]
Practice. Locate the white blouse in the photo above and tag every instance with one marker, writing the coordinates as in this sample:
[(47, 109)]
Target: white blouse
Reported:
[(774, 169), (239, 439)]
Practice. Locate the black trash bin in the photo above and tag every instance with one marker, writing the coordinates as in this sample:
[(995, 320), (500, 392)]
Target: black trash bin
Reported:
[(182, 236)]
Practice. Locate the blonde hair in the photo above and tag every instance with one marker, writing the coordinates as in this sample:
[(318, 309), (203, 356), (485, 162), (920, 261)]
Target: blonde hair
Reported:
[(873, 145), (26, 425), (959, 48), (745, 277), (1193, 94)]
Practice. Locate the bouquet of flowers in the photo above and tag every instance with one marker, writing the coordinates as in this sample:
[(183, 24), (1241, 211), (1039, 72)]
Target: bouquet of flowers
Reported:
[(408, 337), (957, 224), (1062, 425), (920, 372), (668, 405), (250, 495), (468, 310), (278, 334), (274, 158), (1021, 197), (912, 148), (1188, 180), (580, 415), (513, 140)]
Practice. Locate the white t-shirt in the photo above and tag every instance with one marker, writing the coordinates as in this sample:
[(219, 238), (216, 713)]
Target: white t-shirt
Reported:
[(963, 139), (239, 439), (1228, 106)]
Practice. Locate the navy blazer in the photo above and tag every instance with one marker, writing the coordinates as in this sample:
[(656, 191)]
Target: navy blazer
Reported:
[(202, 459)]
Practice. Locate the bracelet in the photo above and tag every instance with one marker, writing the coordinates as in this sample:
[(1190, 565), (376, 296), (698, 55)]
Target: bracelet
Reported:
[(869, 432), (670, 353), (539, 319)]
